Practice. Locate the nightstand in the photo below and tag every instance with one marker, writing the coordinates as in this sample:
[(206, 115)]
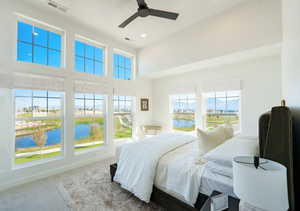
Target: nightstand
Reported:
[(233, 203)]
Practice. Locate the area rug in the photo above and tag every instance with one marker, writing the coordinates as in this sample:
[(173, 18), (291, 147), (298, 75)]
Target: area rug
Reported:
[(90, 188)]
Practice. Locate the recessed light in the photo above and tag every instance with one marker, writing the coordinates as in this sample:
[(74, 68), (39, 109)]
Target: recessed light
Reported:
[(35, 33), (143, 35)]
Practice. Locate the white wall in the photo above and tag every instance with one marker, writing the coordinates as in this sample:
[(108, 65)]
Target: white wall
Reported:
[(261, 89), (291, 78), (250, 25), (9, 67)]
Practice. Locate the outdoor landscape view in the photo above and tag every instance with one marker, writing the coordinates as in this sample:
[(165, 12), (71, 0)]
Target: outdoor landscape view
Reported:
[(221, 108), (40, 123), (123, 116)]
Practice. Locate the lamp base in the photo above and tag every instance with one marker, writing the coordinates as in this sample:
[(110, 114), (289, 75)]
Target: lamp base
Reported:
[(244, 206)]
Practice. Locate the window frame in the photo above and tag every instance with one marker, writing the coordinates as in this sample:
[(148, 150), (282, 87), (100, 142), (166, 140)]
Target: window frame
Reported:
[(239, 113), (133, 63), (44, 26), (187, 97), (61, 117), (95, 44), (105, 113), (132, 113)]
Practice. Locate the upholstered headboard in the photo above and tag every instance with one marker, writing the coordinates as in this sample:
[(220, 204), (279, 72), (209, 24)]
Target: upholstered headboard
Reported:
[(276, 142)]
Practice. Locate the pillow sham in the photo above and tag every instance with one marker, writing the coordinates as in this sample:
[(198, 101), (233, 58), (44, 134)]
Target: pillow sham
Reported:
[(229, 132), (208, 140), (237, 146)]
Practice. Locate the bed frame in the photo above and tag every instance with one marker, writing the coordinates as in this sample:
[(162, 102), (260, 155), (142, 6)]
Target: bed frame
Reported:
[(275, 142), (167, 201)]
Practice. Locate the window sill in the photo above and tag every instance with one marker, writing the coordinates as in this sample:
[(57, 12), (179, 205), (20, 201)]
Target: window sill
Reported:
[(89, 150), (37, 163)]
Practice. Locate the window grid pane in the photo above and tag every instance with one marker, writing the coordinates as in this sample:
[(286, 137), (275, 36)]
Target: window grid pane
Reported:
[(37, 45), (183, 109), (223, 108), (123, 108), (89, 59), (39, 125), (122, 67), (89, 121)]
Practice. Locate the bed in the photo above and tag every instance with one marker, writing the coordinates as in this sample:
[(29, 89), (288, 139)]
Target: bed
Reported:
[(178, 166)]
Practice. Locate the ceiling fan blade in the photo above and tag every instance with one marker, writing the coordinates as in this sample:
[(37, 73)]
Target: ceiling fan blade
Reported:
[(129, 20), (164, 14), (141, 3)]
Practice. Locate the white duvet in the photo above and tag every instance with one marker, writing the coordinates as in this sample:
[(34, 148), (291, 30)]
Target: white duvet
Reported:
[(138, 161)]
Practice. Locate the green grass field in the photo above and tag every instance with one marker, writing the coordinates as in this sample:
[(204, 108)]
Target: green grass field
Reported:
[(97, 134), (31, 158)]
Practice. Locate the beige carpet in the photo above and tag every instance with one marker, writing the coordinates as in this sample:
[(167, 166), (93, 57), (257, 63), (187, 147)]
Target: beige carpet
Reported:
[(89, 188)]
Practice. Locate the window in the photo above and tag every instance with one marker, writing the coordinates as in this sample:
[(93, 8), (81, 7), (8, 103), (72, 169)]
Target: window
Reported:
[(122, 67), (123, 116), (88, 58), (38, 125), (89, 120), (39, 46), (183, 111), (221, 108)]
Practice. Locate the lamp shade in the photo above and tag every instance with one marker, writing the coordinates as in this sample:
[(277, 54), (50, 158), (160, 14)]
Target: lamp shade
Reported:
[(264, 187)]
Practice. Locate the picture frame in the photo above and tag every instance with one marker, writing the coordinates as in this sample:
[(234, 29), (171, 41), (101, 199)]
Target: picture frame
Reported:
[(144, 104)]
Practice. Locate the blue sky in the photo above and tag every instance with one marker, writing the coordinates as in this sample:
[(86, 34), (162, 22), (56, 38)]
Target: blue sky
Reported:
[(37, 45)]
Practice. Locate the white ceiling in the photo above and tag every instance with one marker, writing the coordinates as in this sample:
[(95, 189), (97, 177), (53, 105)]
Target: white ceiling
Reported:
[(106, 15)]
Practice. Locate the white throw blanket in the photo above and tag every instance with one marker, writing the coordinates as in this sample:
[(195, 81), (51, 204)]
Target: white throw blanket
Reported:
[(138, 161)]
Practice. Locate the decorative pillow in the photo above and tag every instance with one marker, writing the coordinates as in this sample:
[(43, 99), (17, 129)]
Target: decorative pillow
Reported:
[(208, 140), (237, 146), (229, 132)]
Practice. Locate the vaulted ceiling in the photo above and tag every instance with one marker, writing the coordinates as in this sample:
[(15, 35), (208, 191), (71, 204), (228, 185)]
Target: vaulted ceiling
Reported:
[(106, 15)]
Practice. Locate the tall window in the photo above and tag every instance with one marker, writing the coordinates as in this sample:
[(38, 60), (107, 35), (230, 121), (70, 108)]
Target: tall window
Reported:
[(89, 120), (221, 108), (89, 58), (37, 45), (122, 67), (123, 116), (183, 111), (38, 125)]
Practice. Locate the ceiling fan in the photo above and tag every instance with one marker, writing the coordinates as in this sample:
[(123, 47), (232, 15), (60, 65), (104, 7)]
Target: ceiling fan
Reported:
[(145, 11)]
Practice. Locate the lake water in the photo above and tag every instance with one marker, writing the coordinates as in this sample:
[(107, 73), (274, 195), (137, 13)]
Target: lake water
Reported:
[(54, 136), (82, 131), (183, 123)]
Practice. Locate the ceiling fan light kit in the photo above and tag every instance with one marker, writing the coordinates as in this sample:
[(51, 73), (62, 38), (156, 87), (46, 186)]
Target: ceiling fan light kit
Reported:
[(144, 11)]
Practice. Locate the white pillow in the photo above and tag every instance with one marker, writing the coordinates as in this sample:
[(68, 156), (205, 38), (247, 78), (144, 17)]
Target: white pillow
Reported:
[(208, 140), (224, 154), (218, 169), (229, 132)]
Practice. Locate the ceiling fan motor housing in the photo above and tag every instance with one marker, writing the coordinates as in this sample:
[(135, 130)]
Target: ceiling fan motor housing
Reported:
[(143, 12)]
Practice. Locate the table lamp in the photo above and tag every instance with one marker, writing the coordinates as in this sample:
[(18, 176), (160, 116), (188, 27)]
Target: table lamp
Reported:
[(262, 186)]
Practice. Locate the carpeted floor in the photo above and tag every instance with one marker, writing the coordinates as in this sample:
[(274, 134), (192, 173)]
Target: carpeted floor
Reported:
[(89, 188)]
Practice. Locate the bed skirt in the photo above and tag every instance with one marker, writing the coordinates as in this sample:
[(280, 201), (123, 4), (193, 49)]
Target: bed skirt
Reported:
[(166, 200)]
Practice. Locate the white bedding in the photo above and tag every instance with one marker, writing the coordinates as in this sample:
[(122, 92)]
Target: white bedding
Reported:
[(138, 161), (179, 174)]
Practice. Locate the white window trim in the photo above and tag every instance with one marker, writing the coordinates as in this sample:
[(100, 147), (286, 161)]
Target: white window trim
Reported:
[(63, 141), (45, 26), (133, 63), (105, 116), (133, 114), (171, 108), (95, 44), (239, 131)]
